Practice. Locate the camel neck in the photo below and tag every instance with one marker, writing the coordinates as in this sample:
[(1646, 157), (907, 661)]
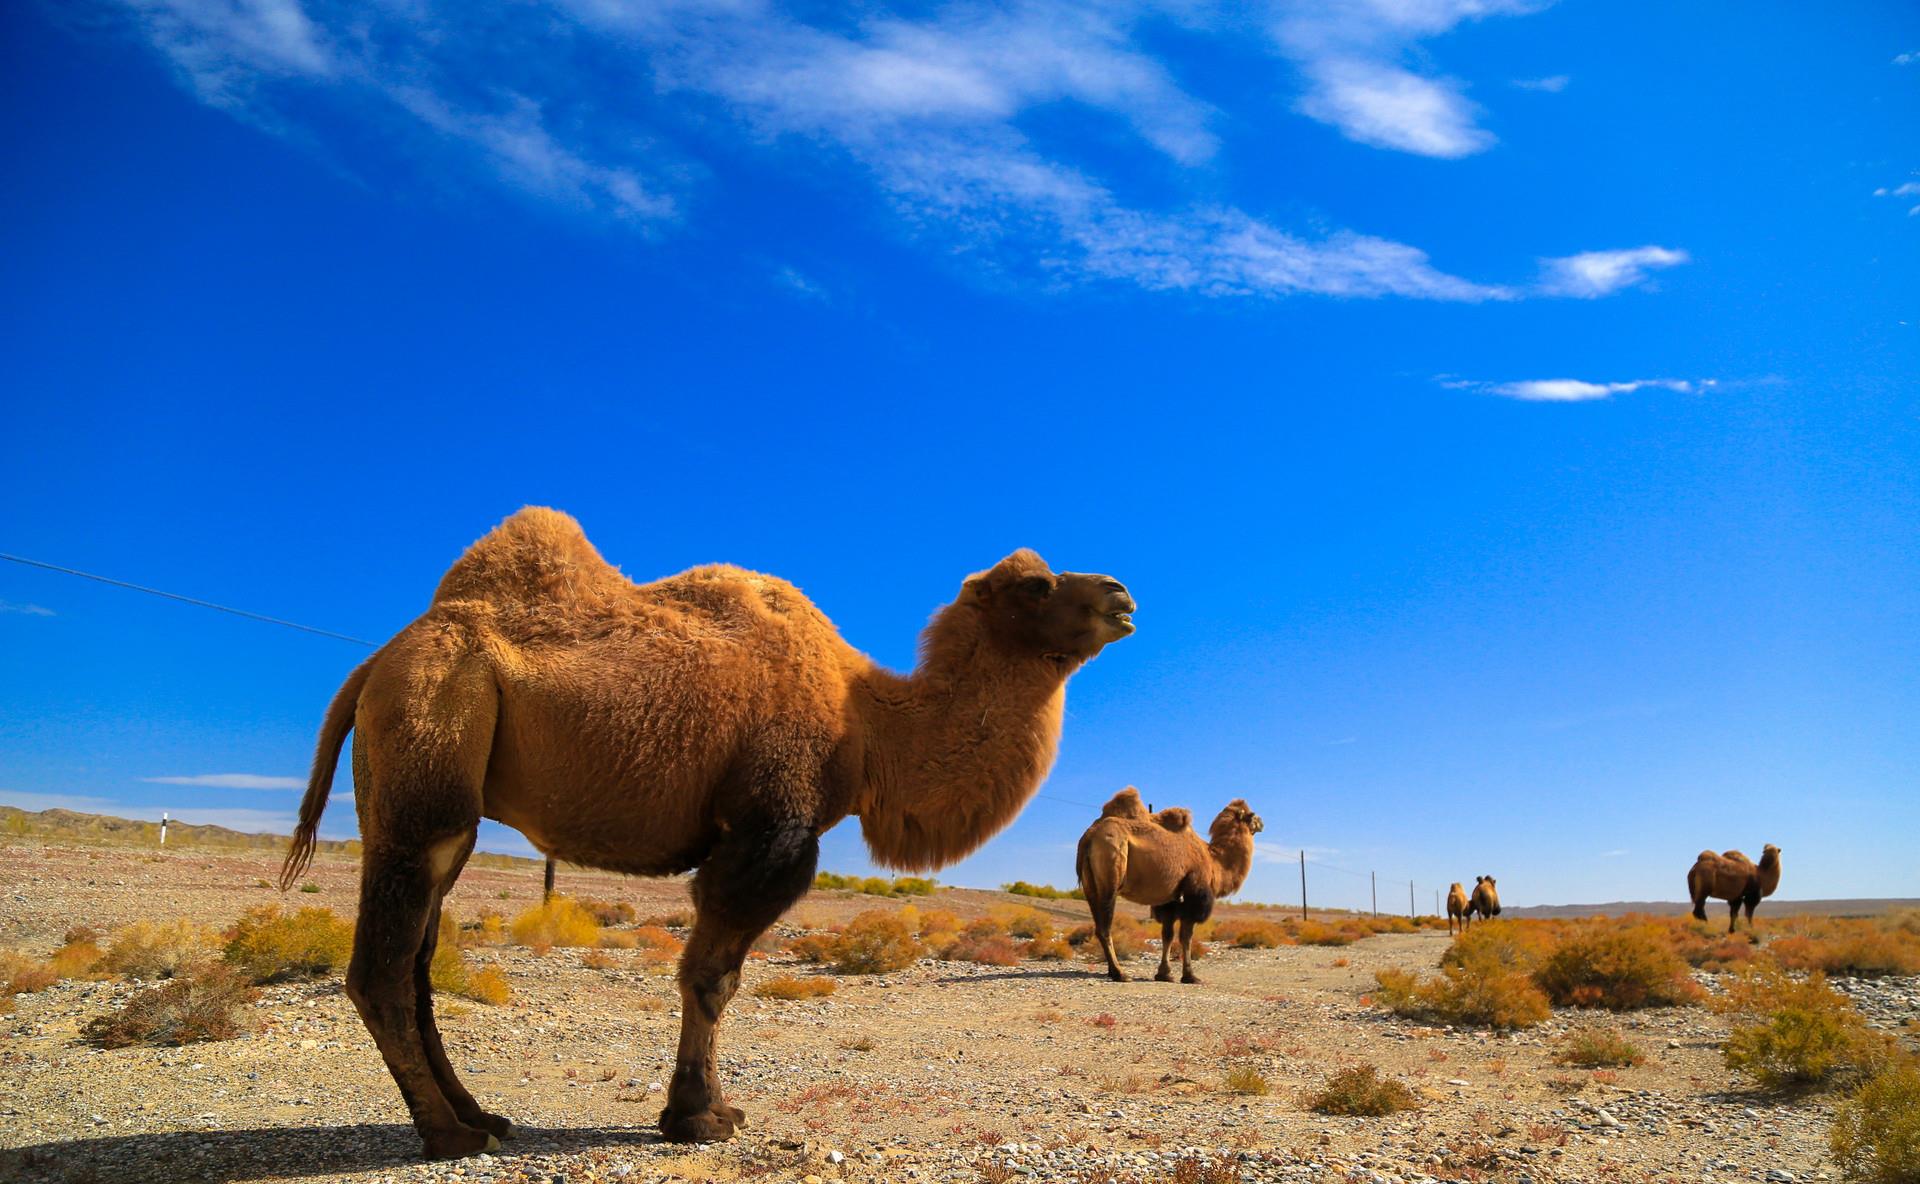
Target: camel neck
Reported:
[(953, 751), (1232, 860)]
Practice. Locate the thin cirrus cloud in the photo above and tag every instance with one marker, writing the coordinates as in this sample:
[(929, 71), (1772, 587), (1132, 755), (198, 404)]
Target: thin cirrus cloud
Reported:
[(231, 781), (1908, 189), (1576, 390), (25, 610), (927, 104)]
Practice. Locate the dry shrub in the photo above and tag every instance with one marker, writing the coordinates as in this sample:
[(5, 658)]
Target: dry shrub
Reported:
[(1513, 945), (1483, 981), (1023, 921), (1048, 949), (610, 912), (1594, 1048), (1360, 1091), (1850, 946), (1797, 1033), (1252, 935), (1341, 963), (23, 975), (875, 942), (205, 1002), (79, 958), (991, 950), (1129, 936), (652, 937), (1245, 1079), (787, 986), (987, 926), (1618, 968), (489, 930), (932, 923), (1080, 935), (450, 971), (598, 960), (267, 945), (488, 985), (619, 939), (1876, 1132), (814, 947), (148, 950), (561, 921), (670, 920), (1313, 933)]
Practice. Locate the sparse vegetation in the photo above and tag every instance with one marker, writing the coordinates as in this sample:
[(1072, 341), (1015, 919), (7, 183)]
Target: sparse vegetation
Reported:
[(876, 885), (22, 975), (787, 986), (1876, 1132), (1797, 1033), (1485, 979), (610, 912), (875, 942), (1360, 1091), (1597, 1048), (1021, 921), (206, 1002), (561, 921), (990, 950), (267, 945), (1245, 1079), (146, 950), (1618, 968), (309, 887), (1042, 891)]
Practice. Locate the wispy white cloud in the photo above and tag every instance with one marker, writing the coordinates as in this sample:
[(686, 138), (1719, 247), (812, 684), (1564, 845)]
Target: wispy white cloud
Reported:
[(1552, 84), (240, 818), (232, 781), (36, 802), (1575, 390), (25, 610), (1616, 853), (795, 280), (1592, 274), (597, 105), (1906, 59), (1906, 189)]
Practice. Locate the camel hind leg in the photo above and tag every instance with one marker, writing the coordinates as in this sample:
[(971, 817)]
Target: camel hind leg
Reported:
[(425, 728), (1167, 914)]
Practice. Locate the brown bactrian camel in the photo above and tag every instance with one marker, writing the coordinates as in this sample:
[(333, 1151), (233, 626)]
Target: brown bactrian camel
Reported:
[(1457, 907), (1485, 899), (714, 720), (1732, 877), (1158, 860)]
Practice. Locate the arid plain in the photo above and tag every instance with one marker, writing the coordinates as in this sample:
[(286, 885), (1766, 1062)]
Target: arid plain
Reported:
[(946, 1070)]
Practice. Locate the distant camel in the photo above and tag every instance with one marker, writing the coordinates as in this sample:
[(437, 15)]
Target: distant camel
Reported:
[(1733, 878), (712, 720), (1457, 907), (1486, 899), (1158, 860)]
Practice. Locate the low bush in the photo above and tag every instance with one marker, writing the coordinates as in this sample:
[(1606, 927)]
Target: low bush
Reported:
[(1617, 968), (652, 937), (814, 947), (1047, 949), (1245, 1079), (23, 975), (267, 945), (1021, 921), (1252, 935), (1512, 945), (1797, 1033), (1042, 891), (1313, 933), (560, 921), (1851, 946), (488, 985), (452, 973), (1361, 1092), (787, 986), (1597, 1048), (1876, 1132), (1485, 995), (148, 951), (205, 1002), (876, 885), (670, 920), (875, 942), (79, 958), (610, 912), (992, 950)]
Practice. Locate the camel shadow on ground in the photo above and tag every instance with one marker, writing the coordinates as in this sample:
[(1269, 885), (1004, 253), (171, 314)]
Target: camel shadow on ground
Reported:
[(272, 1153), (1023, 973)]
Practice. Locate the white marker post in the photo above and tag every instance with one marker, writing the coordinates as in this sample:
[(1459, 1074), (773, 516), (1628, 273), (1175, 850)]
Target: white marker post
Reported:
[(163, 828)]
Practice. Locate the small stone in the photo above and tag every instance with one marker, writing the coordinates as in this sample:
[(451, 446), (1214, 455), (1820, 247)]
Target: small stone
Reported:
[(836, 1157)]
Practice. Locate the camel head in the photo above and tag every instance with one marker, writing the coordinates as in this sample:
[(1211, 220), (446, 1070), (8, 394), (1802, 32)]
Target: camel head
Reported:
[(1066, 616), (1237, 815), (1770, 855)]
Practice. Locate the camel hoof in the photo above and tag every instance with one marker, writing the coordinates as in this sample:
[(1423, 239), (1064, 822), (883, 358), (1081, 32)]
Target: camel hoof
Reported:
[(458, 1143), (1189, 978), (496, 1125), (1164, 976), (708, 1126), (1118, 976)]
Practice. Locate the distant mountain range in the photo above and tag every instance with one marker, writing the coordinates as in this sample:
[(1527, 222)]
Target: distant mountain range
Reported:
[(1717, 910)]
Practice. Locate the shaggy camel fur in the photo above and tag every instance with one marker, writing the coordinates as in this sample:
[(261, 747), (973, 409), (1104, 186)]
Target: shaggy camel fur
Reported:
[(1485, 900), (714, 720), (1457, 907), (1158, 860), (1732, 877)]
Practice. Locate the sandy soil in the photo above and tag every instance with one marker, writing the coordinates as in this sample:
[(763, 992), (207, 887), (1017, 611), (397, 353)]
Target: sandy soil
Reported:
[(941, 1072)]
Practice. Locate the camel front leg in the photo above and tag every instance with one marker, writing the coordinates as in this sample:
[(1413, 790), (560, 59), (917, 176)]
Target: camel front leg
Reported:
[(740, 890)]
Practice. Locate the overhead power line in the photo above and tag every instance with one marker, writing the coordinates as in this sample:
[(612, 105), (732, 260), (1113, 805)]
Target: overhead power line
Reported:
[(238, 612)]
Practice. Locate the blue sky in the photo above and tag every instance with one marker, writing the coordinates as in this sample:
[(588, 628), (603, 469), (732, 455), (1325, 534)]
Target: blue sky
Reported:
[(1504, 412)]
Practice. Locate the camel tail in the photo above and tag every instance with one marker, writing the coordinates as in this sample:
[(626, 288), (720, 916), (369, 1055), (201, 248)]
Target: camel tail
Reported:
[(326, 757)]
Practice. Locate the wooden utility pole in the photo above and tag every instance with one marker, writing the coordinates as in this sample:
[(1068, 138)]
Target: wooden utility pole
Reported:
[(1303, 884), (1411, 911), (546, 893)]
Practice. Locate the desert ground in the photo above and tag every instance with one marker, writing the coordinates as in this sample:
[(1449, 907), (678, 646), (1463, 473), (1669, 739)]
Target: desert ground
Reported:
[(941, 1072)]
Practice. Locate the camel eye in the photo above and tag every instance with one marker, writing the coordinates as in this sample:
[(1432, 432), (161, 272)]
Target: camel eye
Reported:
[(1037, 587)]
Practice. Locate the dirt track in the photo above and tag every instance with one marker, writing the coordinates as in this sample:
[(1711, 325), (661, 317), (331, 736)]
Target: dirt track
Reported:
[(935, 1073)]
